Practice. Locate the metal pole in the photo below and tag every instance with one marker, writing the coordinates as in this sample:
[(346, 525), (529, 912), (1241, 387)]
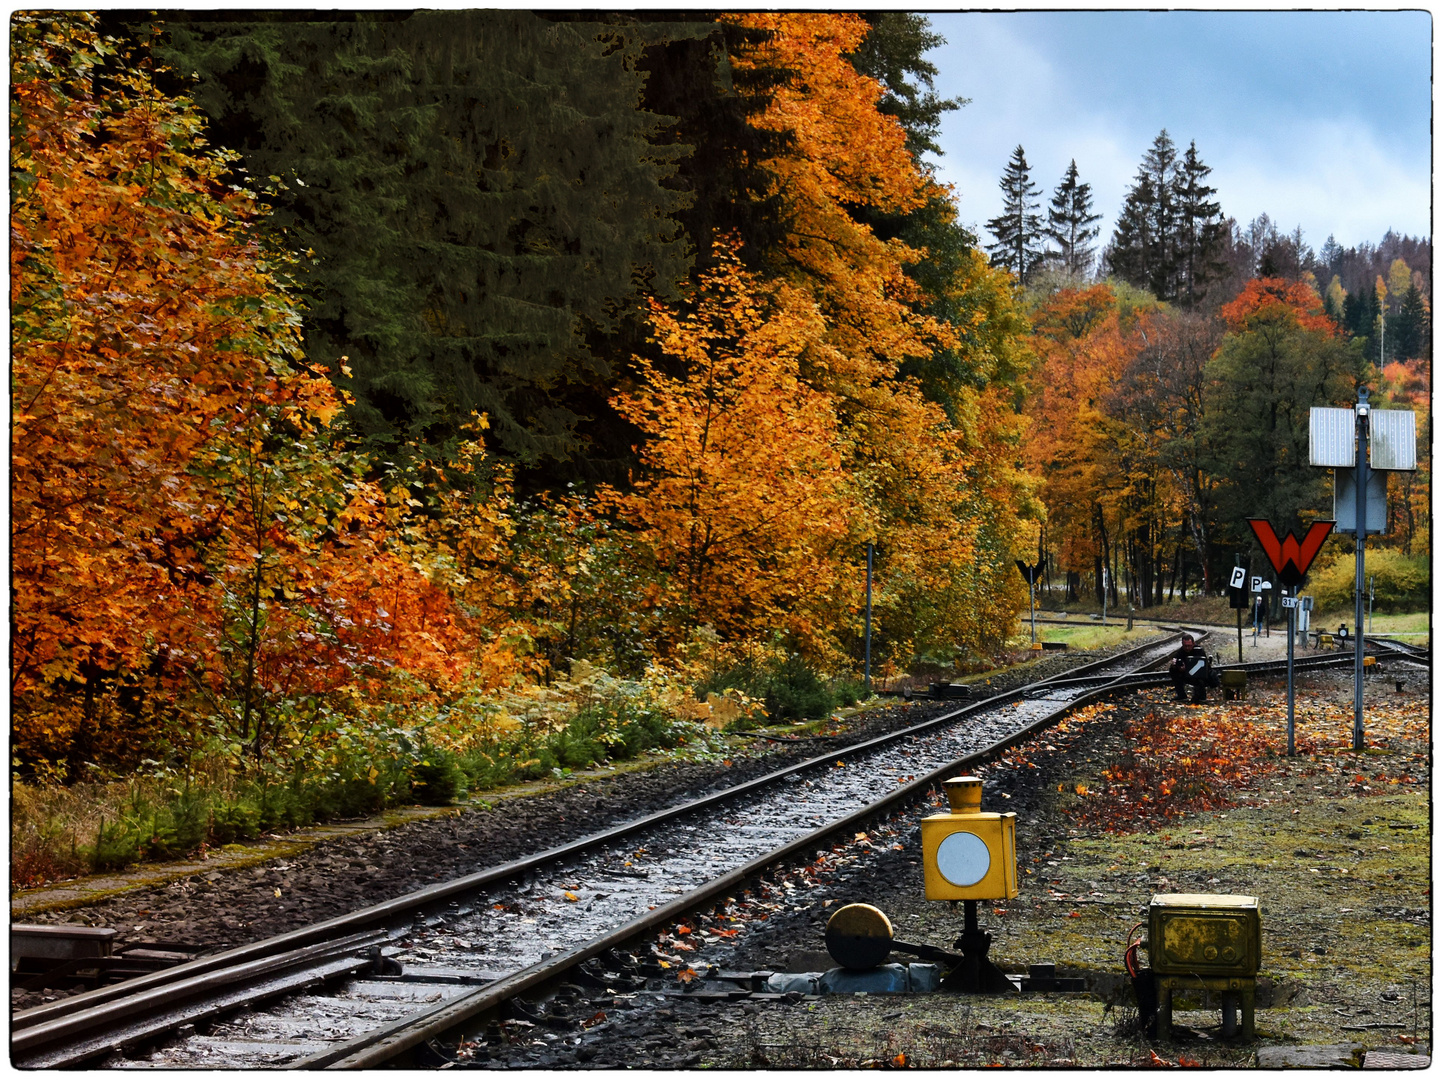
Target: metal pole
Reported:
[(1371, 596), (1237, 561), (1032, 591), (1291, 692), (869, 549), (1358, 739)]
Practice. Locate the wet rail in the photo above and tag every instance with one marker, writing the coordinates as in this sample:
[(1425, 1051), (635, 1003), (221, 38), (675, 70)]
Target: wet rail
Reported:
[(1400, 650), (359, 990)]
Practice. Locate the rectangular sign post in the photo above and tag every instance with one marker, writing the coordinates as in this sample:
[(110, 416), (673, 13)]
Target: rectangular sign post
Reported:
[(1338, 440), (1238, 588), (870, 551), (1031, 573), (1290, 603), (1358, 740)]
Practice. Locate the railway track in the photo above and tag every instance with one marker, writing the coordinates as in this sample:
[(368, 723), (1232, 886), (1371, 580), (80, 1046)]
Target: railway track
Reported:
[(1400, 650), (363, 989)]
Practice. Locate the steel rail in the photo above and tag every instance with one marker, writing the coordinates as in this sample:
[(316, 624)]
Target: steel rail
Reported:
[(386, 1044), (435, 895), (73, 1020), (1402, 649), (186, 1000)]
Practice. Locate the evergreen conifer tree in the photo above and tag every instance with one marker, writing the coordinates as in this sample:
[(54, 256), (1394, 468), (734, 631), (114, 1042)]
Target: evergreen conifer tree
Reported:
[(1017, 228), (1201, 230), (1130, 253), (1412, 326), (1071, 223), (479, 191), (893, 53), (1170, 235)]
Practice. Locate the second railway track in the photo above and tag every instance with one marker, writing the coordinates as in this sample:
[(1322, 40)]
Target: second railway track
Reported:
[(360, 990)]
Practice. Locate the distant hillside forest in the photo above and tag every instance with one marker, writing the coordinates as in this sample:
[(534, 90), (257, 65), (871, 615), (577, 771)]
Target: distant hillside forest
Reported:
[(1176, 367), (368, 366)]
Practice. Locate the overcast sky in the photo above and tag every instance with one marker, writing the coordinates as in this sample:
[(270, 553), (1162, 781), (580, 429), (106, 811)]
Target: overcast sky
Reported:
[(1320, 119)]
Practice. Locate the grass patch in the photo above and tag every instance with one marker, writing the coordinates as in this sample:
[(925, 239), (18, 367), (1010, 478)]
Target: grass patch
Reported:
[(1088, 635)]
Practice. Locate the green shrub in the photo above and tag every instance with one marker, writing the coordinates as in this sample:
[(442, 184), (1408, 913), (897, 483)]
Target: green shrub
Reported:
[(117, 844), (280, 806), (1402, 582), (796, 692), (789, 687), (847, 692), (186, 823), (233, 821), (435, 780)]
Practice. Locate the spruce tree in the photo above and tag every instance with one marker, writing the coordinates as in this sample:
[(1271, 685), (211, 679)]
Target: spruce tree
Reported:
[(1131, 251), (1201, 230), (893, 53), (1412, 324), (479, 192), (1170, 235), (1017, 228), (1071, 223)]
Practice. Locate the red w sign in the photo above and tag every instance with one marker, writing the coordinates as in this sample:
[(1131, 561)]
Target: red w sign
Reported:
[(1291, 557)]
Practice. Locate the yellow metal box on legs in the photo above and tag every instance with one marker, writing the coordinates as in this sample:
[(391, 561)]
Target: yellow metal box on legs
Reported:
[(966, 854), (1206, 942)]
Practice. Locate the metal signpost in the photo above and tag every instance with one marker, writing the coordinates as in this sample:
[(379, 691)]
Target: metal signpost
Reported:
[(1237, 589), (870, 549), (1031, 573), (1290, 558), (1339, 440)]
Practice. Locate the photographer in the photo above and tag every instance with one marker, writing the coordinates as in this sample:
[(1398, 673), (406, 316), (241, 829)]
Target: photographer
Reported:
[(1191, 666)]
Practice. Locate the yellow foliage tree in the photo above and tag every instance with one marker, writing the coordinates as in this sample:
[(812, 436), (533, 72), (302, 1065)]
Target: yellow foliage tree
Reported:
[(744, 507), (916, 469)]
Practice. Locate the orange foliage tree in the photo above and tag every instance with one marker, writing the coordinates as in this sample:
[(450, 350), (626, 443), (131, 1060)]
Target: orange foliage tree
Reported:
[(944, 539), (1272, 300), (1083, 350), (141, 313), (192, 552)]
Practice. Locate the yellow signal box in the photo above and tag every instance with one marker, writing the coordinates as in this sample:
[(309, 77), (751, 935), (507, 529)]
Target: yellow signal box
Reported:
[(966, 854)]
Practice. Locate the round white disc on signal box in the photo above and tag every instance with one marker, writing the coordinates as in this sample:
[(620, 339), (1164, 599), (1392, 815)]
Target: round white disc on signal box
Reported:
[(963, 858)]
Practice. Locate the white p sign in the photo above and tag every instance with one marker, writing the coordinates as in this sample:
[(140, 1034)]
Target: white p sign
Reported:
[(1239, 577), (1256, 584)]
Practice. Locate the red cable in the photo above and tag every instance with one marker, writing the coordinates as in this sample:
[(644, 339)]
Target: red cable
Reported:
[(1129, 957)]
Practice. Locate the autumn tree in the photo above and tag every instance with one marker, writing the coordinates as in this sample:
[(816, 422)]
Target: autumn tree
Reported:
[(195, 557), (1282, 356), (878, 322), (743, 504), (142, 312), (1083, 349), (1165, 396)]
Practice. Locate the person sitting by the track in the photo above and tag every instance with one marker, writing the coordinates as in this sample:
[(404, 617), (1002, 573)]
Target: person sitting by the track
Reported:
[(1191, 667)]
